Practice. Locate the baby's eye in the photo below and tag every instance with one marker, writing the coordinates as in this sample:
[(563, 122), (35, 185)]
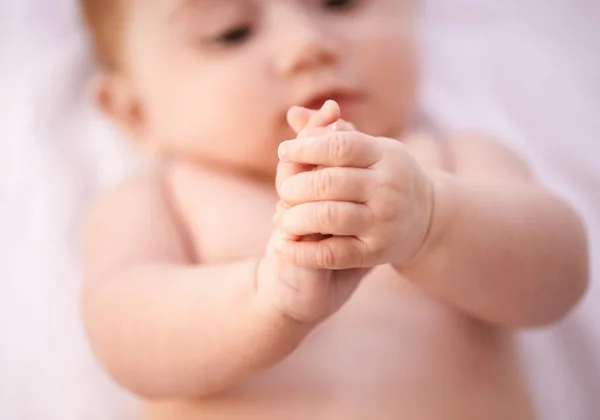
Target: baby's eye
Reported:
[(339, 4), (235, 36)]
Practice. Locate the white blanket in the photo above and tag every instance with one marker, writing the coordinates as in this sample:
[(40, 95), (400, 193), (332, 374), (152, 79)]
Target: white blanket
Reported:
[(526, 71)]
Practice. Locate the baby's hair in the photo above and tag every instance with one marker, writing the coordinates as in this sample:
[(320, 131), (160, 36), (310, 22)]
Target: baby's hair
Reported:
[(104, 19)]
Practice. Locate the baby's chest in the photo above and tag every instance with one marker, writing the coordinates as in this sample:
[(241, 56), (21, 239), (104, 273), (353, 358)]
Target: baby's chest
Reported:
[(227, 221)]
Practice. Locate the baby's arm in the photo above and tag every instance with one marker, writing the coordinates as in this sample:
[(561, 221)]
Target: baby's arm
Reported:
[(500, 246), (481, 235), (164, 326)]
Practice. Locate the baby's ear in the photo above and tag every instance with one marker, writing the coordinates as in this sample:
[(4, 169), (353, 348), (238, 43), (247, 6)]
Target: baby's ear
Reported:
[(115, 98)]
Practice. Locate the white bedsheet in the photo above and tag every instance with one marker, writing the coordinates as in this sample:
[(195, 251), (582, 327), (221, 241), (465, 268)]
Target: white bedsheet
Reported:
[(527, 71)]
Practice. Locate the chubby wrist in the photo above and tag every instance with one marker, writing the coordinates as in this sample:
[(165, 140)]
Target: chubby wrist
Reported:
[(277, 333), (274, 297), (445, 200)]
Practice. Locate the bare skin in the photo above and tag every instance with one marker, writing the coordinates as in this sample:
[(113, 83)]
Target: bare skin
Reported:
[(236, 337), (359, 275)]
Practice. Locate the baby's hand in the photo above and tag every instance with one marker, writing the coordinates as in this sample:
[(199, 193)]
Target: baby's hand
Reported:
[(368, 192), (304, 294), (306, 123), (309, 123)]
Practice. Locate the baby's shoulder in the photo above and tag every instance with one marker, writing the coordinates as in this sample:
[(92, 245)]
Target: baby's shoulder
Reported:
[(138, 191), (468, 153), (154, 189), (139, 203), (131, 223)]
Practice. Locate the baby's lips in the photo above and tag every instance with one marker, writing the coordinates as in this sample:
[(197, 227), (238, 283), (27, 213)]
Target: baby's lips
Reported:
[(329, 104)]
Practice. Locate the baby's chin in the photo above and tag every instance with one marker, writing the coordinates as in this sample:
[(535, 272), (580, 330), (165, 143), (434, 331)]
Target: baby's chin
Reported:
[(261, 167)]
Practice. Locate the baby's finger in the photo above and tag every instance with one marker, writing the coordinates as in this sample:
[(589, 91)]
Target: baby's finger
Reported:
[(286, 170), (328, 184), (301, 119), (328, 114), (341, 125), (327, 218), (336, 253), (307, 122), (278, 217), (281, 207), (339, 148), (276, 221)]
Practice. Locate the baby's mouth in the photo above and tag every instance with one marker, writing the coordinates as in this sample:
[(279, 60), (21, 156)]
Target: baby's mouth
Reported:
[(344, 99)]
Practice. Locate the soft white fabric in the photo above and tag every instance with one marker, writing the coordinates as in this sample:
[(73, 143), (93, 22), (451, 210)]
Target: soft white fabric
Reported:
[(50, 165), (526, 71)]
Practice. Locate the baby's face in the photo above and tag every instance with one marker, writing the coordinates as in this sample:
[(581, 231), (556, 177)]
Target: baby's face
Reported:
[(214, 79)]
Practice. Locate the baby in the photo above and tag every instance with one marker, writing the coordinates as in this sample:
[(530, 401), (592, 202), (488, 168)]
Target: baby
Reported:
[(399, 264)]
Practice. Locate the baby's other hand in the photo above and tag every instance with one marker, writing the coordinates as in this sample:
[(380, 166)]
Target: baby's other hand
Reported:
[(369, 196), (306, 122), (304, 294)]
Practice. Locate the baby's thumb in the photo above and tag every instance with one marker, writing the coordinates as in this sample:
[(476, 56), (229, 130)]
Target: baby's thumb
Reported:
[(303, 119)]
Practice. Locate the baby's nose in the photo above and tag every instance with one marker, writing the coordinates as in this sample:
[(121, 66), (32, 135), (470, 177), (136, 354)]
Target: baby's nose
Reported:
[(305, 45)]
